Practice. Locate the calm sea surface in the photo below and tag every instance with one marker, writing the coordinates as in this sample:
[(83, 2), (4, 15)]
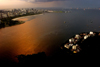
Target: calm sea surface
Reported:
[(45, 33)]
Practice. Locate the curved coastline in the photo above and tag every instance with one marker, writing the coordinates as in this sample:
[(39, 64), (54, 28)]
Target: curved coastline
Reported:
[(25, 16), (11, 21)]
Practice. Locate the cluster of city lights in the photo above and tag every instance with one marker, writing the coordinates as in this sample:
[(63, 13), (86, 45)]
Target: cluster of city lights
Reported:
[(73, 43)]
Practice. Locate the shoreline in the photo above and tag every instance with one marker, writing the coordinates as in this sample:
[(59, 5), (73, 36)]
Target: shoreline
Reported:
[(26, 16), (11, 21)]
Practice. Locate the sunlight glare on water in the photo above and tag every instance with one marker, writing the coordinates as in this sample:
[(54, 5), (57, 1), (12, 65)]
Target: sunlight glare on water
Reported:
[(45, 33)]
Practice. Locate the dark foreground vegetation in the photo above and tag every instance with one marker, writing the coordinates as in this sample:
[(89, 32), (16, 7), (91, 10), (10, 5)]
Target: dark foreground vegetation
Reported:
[(5, 22), (89, 55)]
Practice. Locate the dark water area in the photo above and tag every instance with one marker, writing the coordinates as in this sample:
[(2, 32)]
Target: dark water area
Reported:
[(45, 33)]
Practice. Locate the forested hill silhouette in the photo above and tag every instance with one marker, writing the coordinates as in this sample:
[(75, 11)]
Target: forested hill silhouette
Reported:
[(89, 54)]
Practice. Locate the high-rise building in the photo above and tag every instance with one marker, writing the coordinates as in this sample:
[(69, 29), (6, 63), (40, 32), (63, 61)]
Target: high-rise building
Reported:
[(4, 15), (1, 16), (0, 21), (8, 13)]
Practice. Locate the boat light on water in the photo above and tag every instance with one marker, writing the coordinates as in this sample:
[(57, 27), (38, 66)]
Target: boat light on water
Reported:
[(66, 46), (86, 36), (77, 36), (71, 40), (91, 33), (70, 44), (74, 47)]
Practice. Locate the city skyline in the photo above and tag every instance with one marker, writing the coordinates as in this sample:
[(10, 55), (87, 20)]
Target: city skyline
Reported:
[(5, 4)]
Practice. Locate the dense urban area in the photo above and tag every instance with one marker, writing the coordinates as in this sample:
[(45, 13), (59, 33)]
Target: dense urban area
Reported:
[(17, 12), (6, 16)]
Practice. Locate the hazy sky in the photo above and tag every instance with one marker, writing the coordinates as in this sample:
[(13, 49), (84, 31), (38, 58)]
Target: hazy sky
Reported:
[(49, 3)]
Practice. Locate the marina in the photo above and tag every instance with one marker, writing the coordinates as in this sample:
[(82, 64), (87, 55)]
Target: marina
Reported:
[(76, 43), (49, 33)]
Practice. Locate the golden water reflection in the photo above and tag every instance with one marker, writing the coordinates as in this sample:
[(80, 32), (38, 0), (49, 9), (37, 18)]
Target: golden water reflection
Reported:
[(44, 33), (21, 39), (28, 38)]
